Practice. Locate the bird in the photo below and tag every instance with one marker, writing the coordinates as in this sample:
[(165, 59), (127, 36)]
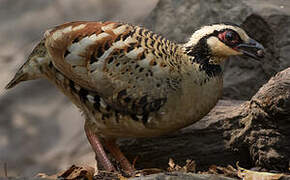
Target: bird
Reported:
[(131, 82)]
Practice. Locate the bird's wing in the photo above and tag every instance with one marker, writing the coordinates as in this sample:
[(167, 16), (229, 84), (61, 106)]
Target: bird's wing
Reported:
[(114, 60)]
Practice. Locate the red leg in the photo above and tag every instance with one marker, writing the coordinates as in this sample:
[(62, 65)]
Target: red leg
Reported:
[(99, 150), (119, 156)]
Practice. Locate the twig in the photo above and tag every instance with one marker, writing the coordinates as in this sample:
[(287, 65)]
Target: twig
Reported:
[(5, 170)]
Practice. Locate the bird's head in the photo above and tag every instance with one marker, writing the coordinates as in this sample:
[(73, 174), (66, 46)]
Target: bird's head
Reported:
[(219, 41)]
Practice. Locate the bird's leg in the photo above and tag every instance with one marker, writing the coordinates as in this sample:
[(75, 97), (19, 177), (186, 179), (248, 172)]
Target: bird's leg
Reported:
[(119, 156), (99, 150)]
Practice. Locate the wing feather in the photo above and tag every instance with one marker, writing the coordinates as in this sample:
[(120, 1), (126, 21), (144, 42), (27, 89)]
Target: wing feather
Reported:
[(112, 59)]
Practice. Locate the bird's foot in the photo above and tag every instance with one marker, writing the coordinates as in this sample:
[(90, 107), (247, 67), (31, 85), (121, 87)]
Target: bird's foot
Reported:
[(99, 150), (119, 156)]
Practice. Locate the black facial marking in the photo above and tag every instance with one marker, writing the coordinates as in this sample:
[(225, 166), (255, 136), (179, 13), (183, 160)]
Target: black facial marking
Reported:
[(201, 53), (211, 69)]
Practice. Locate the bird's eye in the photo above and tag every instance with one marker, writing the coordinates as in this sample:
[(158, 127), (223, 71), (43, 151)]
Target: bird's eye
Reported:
[(230, 36)]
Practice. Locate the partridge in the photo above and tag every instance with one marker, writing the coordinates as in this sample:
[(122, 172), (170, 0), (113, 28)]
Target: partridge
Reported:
[(131, 82)]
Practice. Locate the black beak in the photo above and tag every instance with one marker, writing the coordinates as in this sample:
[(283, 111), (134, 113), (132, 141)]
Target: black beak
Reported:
[(252, 49)]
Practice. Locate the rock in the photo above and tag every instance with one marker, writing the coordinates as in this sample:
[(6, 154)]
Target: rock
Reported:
[(179, 175), (267, 22)]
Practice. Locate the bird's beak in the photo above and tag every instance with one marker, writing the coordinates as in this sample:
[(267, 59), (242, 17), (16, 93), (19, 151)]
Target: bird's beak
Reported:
[(252, 49)]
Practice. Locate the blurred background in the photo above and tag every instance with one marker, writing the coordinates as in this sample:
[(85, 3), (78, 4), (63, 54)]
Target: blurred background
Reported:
[(41, 131)]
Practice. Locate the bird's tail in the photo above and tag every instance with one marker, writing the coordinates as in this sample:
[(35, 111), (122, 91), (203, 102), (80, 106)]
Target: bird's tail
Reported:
[(31, 69)]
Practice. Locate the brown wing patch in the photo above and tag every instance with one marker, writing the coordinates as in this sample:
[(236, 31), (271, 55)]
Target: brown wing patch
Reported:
[(73, 46)]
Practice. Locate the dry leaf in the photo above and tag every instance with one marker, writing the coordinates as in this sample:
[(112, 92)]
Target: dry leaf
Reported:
[(73, 173), (148, 171), (171, 163), (190, 166), (212, 169), (229, 171), (254, 175), (43, 175)]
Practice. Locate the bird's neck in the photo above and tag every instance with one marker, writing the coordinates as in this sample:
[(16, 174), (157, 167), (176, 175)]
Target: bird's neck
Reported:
[(200, 54)]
